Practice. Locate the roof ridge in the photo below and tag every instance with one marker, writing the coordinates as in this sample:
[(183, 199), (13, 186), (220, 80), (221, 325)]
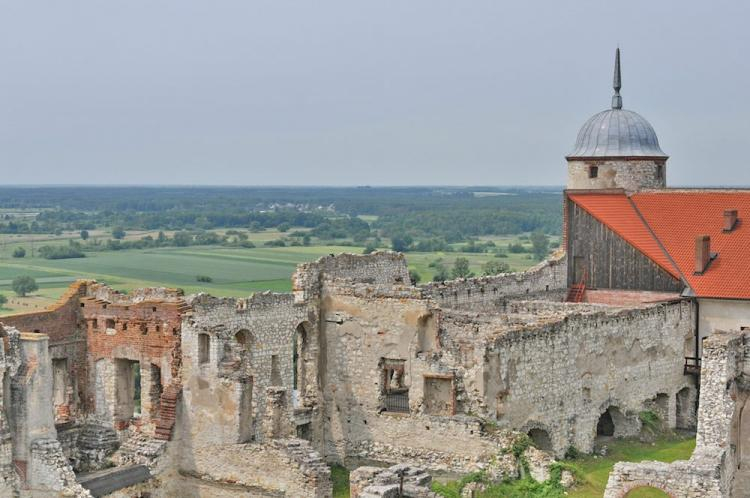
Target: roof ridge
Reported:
[(658, 242)]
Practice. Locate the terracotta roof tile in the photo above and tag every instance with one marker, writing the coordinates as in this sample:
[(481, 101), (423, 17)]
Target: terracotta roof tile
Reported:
[(663, 225)]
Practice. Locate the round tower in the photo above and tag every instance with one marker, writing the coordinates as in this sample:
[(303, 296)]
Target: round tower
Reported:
[(617, 149)]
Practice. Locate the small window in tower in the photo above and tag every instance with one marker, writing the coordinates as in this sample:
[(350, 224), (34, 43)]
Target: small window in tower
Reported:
[(659, 171), (593, 171)]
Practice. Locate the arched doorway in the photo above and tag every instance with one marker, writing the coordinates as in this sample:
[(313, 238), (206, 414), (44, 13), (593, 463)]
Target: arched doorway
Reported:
[(646, 492), (606, 425), (541, 439)]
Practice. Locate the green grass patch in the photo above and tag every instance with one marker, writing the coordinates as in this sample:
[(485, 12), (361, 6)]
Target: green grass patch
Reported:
[(594, 471), (340, 480)]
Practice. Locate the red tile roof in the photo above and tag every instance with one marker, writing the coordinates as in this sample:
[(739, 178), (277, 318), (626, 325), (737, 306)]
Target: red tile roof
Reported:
[(619, 214), (663, 225)]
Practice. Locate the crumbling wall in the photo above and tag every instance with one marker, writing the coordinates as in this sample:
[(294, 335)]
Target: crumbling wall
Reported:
[(250, 349), (382, 339), (283, 467), (67, 342), (124, 333), (544, 281), (398, 480), (560, 374), (712, 467), (379, 268), (9, 363)]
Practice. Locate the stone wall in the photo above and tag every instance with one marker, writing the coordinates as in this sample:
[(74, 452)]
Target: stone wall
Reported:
[(250, 348), (711, 469), (285, 467), (629, 174), (380, 268), (559, 374), (546, 278)]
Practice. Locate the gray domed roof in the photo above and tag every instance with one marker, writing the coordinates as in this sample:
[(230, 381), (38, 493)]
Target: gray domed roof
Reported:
[(617, 132)]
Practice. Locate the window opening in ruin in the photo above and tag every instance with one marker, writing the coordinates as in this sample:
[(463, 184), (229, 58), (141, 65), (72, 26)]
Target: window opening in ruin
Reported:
[(144, 329), (155, 391), (124, 325), (127, 390), (605, 426), (94, 324), (275, 372), (304, 431), (541, 439), (593, 171), (204, 344), (246, 411), (110, 323), (439, 395), (298, 356), (158, 328), (395, 392), (241, 337), (659, 171), (60, 388)]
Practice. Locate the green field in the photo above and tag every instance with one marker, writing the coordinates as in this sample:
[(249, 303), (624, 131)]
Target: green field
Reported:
[(234, 271)]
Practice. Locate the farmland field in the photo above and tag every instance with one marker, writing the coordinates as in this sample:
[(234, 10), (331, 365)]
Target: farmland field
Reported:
[(233, 271)]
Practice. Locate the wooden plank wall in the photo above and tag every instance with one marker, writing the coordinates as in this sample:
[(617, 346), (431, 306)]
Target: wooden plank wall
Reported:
[(611, 262)]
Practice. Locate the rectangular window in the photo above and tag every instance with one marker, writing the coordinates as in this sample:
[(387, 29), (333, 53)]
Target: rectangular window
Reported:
[(659, 171), (395, 392), (204, 343), (593, 171)]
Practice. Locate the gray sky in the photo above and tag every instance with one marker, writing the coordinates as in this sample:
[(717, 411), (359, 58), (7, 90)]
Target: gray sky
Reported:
[(361, 92)]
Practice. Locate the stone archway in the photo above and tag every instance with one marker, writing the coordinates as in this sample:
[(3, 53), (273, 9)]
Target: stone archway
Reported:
[(639, 489), (541, 439)]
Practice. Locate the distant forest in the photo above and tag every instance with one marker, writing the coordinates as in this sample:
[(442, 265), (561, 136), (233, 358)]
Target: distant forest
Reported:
[(446, 213)]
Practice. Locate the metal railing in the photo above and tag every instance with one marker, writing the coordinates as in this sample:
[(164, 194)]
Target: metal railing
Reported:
[(692, 366), (397, 401)]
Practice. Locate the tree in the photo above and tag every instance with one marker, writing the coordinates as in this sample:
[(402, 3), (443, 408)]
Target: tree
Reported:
[(441, 272), (494, 267), (84, 235), (19, 252), (182, 238), (414, 277), (24, 284), (369, 248), (401, 243), (3, 300), (461, 268), (306, 240), (284, 227), (118, 233), (541, 244)]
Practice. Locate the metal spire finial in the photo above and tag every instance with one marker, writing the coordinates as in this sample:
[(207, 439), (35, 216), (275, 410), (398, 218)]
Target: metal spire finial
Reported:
[(617, 83)]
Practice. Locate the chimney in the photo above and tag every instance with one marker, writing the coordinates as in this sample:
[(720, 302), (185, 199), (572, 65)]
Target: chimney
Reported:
[(730, 219), (702, 253)]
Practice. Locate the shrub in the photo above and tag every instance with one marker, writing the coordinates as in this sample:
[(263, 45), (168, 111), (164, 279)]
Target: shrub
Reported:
[(204, 278), (61, 252), (3, 300), (118, 233), (19, 252), (275, 243)]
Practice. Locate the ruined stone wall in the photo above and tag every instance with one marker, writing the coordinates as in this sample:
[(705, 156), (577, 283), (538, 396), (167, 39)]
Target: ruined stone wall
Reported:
[(544, 281), (711, 469), (121, 331), (284, 467), (67, 340), (9, 363), (380, 268), (363, 335), (559, 374), (251, 344)]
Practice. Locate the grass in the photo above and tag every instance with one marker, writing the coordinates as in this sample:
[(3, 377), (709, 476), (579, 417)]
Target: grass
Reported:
[(340, 479), (233, 271), (594, 472), (591, 471)]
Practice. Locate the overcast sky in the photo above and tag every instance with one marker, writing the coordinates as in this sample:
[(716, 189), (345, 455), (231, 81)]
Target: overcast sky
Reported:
[(248, 92)]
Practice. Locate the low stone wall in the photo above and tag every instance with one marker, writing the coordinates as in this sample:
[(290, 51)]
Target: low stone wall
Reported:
[(284, 467), (710, 471), (548, 277), (395, 481)]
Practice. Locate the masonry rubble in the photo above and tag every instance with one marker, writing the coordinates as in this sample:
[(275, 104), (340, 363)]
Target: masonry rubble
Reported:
[(355, 366)]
